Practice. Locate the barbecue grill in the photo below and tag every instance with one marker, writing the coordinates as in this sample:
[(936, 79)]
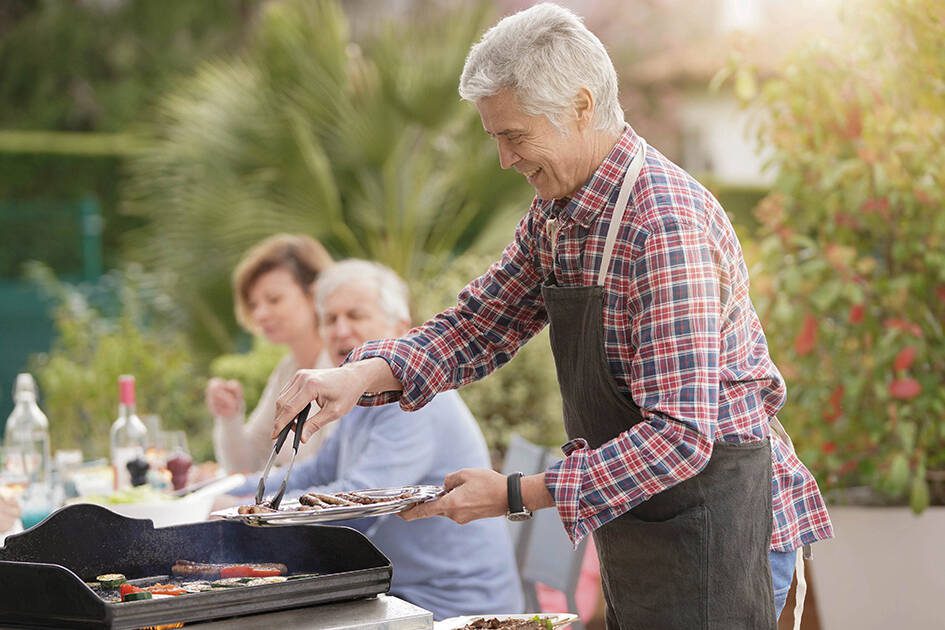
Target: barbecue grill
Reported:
[(43, 571)]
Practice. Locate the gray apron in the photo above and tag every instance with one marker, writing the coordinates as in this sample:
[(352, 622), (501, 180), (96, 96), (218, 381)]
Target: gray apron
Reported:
[(695, 555)]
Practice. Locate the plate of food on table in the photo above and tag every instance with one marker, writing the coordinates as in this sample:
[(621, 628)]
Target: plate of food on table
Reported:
[(527, 621)]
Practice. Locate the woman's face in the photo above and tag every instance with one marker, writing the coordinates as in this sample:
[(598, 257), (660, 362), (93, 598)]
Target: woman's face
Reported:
[(279, 308)]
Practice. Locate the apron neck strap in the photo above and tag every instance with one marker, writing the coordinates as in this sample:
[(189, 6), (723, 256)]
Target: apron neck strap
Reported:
[(633, 172)]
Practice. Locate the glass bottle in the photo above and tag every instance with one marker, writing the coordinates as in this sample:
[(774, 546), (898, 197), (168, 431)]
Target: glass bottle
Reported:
[(129, 436), (26, 437)]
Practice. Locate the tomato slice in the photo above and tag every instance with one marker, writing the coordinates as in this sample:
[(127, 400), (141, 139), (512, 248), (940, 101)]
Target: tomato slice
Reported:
[(126, 588), (266, 572)]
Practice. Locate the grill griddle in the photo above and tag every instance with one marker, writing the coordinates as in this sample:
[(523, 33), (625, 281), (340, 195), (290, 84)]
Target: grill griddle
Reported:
[(43, 570)]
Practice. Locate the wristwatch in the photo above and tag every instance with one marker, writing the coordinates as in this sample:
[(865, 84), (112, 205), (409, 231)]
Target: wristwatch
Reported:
[(517, 511)]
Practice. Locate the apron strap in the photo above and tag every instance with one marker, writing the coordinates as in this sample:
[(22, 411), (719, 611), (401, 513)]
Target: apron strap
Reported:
[(633, 171), (800, 591)]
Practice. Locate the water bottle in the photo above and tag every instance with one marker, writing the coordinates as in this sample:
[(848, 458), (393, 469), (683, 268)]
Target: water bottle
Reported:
[(26, 437)]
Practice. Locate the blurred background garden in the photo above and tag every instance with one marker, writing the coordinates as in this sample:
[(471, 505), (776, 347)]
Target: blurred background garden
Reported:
[(144, 146)]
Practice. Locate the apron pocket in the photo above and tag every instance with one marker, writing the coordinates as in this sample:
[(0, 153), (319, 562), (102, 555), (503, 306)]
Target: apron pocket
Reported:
[(657, 571)]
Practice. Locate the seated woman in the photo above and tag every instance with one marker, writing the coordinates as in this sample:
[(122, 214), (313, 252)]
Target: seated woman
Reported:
[(273, 293)]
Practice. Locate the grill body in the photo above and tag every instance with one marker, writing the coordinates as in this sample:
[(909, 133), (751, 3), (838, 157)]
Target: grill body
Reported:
[(43, 570)]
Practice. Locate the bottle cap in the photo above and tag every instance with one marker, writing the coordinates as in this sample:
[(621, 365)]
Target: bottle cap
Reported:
[(24, 383), (126, 389)]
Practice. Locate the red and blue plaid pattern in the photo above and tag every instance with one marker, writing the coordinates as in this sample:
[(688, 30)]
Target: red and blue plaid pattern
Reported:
[(682, 339)]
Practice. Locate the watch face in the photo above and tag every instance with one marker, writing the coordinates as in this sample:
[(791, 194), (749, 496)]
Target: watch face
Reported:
[(519, 516)]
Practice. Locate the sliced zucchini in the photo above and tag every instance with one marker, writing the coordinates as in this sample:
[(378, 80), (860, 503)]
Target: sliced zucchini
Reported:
[(138, 596), (111, 580), (228, 582), (269, 579)]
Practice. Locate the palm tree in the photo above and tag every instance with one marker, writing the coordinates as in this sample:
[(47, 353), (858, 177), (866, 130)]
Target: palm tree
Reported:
[(365, 145)]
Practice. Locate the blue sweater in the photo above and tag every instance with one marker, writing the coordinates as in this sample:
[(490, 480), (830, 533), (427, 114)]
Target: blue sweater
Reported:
[(447, 568)]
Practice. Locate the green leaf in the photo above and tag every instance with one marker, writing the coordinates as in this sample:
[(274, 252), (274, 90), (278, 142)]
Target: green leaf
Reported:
[(898, 476), (919, 494)]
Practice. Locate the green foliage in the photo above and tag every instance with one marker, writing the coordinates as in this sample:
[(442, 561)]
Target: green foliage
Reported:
[(852, 266), (125, 325), (92, 66), (521, 397), (251, 369), (95, 66), (364, 145)]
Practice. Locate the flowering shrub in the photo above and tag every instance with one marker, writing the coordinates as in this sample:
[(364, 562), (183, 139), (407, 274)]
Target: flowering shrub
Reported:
[(851, 277)]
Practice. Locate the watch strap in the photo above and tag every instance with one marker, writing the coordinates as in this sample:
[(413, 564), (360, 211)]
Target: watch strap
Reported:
[(514, 482)]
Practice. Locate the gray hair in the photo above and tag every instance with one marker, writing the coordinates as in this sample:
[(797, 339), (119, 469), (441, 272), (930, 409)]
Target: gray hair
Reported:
[(392, 293), (544, 54)]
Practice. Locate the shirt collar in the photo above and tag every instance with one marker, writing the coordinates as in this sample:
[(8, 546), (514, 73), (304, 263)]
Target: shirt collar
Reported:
[(585, 205)]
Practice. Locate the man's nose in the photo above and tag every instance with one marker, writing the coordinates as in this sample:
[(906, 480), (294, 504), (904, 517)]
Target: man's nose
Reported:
[(507, 155), (341, 327)]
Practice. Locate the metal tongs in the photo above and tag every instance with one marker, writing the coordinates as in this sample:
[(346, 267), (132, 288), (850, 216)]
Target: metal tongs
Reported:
[(280, 440)]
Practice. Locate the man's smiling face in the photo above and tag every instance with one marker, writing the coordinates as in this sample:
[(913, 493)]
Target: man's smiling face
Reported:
[(554, 163)]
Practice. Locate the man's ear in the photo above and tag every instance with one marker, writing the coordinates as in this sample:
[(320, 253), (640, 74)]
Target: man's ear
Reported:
[(584, 108)]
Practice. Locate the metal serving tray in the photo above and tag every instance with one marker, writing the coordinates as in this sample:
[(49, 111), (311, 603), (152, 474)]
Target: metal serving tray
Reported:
[(288, 514), (44, 569)]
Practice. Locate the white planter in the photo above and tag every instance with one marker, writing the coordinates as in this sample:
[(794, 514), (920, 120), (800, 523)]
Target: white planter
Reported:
[(885, 569)]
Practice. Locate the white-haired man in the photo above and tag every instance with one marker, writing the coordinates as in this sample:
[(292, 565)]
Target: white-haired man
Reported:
[(677, 463), (442, 566)]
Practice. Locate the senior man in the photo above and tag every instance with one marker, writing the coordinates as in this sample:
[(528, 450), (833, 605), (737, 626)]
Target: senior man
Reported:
[(439, 565), (676, 463)]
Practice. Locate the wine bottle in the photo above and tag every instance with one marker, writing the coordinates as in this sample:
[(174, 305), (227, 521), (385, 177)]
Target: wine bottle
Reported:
[(129, 436)]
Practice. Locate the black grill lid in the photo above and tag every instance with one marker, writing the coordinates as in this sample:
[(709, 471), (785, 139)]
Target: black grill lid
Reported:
[(43, 570)]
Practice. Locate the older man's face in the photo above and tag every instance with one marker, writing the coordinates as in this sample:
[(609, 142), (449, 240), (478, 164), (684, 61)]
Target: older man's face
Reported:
[(555, 164), (352, 315)]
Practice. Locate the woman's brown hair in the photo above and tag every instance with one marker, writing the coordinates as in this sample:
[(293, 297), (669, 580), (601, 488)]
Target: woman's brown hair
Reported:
[(300, 255)]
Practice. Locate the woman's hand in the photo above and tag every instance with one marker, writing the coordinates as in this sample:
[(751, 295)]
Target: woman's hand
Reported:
[(224, 398), (9, 509)]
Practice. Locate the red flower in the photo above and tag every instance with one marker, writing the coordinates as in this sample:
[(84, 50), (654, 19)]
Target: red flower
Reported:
[(905, 358), (834, 405), (856, 313), (828, 448), (940, 292), (807, 337), (854, 124), (905, 388), (896, 323), (876, 204)]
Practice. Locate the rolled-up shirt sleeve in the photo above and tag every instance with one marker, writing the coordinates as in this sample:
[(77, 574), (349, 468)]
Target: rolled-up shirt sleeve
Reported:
[(494, 316), (674, 299)]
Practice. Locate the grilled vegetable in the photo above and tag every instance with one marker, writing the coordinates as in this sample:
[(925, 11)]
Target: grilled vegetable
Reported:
[(111, 580), (165, 589), (126, 588), (137, 596)]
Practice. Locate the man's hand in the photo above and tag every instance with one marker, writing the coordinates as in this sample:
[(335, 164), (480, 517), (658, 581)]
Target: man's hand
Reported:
[(471, 493), (335, 391), (474, 493)]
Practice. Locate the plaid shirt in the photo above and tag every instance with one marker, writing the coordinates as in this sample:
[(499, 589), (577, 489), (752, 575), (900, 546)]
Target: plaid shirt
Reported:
[(682, 340)]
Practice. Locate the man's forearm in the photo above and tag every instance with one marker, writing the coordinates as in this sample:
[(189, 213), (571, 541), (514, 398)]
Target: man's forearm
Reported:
[(375, 375), (535, 495)]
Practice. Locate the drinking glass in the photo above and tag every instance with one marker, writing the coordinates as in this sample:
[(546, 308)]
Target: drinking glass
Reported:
[(178, 457)]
